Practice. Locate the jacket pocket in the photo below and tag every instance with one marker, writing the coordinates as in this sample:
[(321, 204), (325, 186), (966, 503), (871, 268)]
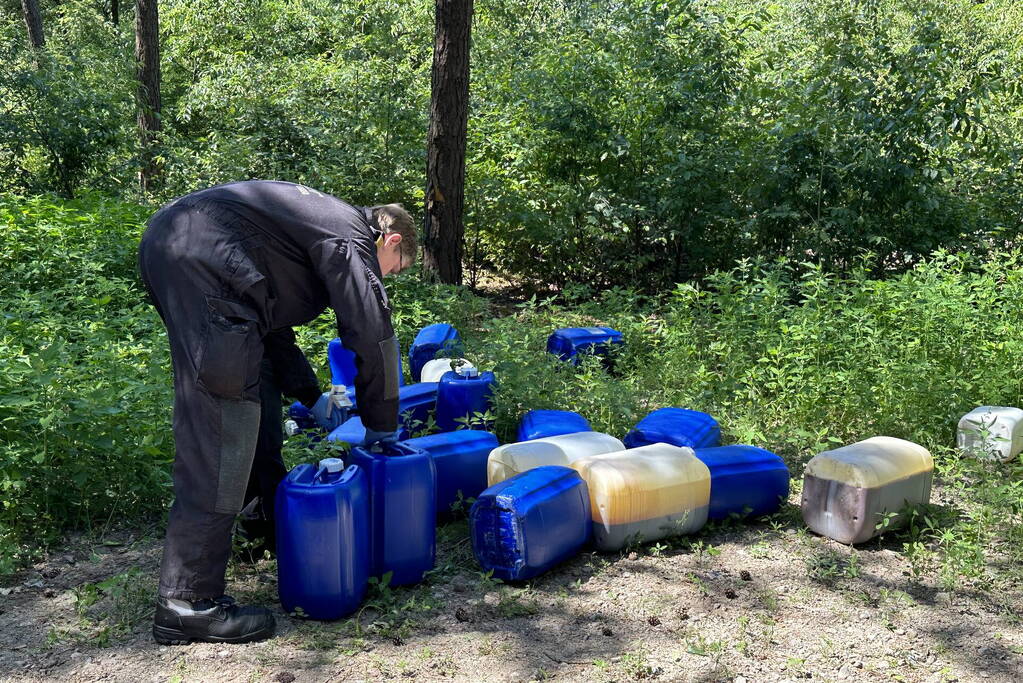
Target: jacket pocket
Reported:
[(231, 350), (240, 270)]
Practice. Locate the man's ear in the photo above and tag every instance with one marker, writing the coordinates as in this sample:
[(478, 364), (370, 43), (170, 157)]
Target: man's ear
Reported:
[(392, 239)]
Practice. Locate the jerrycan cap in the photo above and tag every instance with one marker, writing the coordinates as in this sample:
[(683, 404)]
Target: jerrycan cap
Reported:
[(332, 465), (467, 371)]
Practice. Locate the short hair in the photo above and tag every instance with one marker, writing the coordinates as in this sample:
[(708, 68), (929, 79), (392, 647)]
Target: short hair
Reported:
[(394, 218)]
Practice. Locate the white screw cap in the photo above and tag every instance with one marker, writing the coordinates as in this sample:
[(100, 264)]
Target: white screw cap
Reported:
[(332, 465), (467, 371)]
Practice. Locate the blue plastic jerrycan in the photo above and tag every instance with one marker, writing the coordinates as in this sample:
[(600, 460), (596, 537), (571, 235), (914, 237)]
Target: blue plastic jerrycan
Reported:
[(461, 394), (531, 522), (353, 432), (415, 401), (402, 483), (322, 520), (675, 426), (342, 363), (744, 480), (461, 461), (342, 366), (569, 342), (431, 340), (537, 424)]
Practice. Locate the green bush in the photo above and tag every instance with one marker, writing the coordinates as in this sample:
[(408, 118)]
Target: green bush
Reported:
[(652, 143), (635, 144), (786, 356), (332, 95), (84, 388), (67, 112)]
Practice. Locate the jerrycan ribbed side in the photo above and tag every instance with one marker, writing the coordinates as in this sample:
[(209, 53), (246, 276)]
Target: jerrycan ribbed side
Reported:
[(525, 525)]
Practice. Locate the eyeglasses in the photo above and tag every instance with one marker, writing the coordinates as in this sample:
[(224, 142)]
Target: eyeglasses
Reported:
[(401, 254)]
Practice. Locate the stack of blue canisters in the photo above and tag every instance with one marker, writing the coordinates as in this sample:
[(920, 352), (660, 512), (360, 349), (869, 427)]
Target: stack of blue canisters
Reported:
[(336, 527), (523, 526), (538, 424), (569, 343)]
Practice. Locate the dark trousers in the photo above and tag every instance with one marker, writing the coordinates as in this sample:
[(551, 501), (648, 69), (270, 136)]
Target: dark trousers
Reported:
[(267, 465), (213, 302)]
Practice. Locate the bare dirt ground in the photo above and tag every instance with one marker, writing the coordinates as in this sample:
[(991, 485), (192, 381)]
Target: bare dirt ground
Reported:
[(766, 601)]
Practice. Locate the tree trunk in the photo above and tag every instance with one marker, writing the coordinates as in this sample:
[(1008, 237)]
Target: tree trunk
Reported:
[(34, 22), (445, 160), (115, 11), (147, 61)]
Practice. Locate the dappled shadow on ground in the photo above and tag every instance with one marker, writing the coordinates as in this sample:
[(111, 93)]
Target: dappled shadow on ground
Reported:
[(765, 600)]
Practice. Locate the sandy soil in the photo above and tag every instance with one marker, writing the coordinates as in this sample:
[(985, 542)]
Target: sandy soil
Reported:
[(760, 602)]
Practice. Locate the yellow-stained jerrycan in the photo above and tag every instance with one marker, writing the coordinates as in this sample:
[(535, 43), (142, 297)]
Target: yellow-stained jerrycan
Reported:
[(848, 492), (644, 494)]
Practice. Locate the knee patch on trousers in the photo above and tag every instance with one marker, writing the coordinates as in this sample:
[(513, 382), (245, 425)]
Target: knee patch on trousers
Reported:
[(239, 429)]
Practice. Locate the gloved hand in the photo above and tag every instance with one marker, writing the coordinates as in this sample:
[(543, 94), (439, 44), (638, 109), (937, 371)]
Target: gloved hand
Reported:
[(382, 438), (326, 414)]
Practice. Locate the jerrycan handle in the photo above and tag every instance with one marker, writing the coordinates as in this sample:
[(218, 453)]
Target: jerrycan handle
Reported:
[(391, 450)]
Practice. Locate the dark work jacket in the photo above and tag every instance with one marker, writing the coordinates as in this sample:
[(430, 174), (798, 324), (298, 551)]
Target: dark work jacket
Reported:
[(312, 250)]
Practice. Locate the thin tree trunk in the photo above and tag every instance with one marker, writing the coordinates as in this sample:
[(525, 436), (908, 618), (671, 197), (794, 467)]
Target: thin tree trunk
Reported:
[(34, 22), (147, 60), (115, 12), (445, 160)]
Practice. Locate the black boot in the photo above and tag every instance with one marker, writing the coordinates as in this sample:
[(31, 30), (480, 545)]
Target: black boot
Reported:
[(219, 620)]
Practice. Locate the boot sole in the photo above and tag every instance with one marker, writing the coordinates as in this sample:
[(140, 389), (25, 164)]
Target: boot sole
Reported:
[(172, 636)]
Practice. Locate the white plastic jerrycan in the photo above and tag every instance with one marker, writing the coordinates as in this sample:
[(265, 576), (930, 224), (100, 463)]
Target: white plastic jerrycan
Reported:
[(514, 458), (991, 432), (434, 369)]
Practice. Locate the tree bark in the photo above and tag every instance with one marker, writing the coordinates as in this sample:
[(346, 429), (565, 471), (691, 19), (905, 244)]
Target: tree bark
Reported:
[(445, 158), (115, 12), (34, 22), (147, 61)]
